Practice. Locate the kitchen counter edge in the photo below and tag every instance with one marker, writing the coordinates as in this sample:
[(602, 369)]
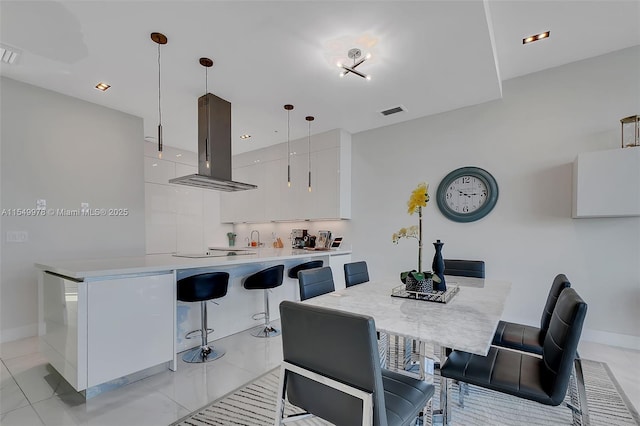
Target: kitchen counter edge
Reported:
[(159, 263)]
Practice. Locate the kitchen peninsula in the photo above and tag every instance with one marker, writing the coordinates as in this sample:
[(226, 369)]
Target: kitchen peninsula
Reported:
[(104, 320)]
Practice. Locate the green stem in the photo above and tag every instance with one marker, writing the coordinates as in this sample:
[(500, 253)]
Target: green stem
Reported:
[(420, 239)]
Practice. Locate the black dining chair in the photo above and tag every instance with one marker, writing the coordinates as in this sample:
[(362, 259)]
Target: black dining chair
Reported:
[(355, 273), (331, 369), (464, 268), (314, 282), (542, 379), (525, 337)]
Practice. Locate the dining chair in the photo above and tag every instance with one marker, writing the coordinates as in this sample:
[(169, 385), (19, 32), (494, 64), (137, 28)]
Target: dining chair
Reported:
[(355, 273), (331, 370), (464, 268), (530, 339), (525, 337), (542, 379), (314, 282)]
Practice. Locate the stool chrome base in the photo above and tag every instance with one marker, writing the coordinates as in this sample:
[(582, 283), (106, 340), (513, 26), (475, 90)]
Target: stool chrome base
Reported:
[(265, 331), (200, 355)]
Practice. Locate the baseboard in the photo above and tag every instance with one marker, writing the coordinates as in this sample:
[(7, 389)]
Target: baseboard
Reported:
[(18, 333), (612, 339)]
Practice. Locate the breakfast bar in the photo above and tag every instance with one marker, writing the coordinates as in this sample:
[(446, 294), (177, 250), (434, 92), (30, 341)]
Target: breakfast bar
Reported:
[(104, 320)]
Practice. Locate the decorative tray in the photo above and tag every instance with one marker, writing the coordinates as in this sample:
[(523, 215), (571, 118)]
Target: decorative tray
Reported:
[(434, 296)]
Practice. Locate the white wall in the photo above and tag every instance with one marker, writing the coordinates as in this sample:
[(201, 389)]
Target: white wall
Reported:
[(179, 218), (66, 151), (528, 141)]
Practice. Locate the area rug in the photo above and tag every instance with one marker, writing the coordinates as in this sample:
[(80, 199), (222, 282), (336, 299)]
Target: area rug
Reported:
[(254, 405)]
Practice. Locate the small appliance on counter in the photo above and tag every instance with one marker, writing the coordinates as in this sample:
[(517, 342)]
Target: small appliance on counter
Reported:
[(299, 238)]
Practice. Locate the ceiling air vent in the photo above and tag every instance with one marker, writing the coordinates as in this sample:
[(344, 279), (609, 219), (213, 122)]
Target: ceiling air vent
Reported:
[(393, 110), (8, 55)]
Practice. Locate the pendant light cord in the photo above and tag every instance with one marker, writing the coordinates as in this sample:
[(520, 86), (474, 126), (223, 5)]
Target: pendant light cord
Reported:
[(159, 96)]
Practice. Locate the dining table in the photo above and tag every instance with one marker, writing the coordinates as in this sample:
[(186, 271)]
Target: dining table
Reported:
[(466, 322)]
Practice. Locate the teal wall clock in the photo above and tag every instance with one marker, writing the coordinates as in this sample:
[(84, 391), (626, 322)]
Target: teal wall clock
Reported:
[(467, 194)]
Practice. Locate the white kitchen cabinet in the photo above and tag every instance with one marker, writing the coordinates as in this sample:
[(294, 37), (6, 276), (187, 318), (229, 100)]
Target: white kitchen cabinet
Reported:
[(330, 196), (245, 206), (99, 330), (607, 183), (130, 325)]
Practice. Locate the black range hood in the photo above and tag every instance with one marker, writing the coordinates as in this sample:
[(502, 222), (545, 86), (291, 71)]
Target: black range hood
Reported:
[(214, 148)]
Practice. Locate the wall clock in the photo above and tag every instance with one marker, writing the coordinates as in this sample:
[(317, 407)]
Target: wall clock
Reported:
[(467, 194)]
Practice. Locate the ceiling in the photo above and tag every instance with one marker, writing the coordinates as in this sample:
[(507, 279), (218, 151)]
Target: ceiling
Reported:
[(428, 56)]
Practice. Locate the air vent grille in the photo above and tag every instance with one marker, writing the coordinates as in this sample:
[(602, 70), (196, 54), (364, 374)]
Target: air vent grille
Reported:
[(8, 55), (393, 110)]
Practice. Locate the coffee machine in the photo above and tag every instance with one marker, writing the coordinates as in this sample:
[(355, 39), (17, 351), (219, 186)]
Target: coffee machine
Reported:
[(299, 238)]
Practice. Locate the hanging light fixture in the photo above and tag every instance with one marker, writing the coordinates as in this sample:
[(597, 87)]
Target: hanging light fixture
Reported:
[(309, 119), (159, 38), (206, 63), (354, 54), (288, 107)]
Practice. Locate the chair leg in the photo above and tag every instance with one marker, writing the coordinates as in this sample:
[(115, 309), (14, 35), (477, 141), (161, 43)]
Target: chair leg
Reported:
[(281, 396), (578, 396), (204, 353), (266, 330)]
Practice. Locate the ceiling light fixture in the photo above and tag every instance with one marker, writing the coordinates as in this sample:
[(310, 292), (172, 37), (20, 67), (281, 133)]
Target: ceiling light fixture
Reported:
[(245, 136), (288, 107), (536, 37), (206, 63), (102, 86), (354, 54), (160, 39), (309, 119)]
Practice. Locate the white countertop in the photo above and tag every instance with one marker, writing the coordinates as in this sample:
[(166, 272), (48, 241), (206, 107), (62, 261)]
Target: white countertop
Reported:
[(91, 268)]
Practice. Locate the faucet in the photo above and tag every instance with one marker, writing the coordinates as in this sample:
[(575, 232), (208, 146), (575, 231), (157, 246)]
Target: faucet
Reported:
[(257, 232)]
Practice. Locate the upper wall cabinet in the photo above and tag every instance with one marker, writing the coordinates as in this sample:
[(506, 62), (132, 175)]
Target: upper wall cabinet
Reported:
[(275, 200), (607, 183)]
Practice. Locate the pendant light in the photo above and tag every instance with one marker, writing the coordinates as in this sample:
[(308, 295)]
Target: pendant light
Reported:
[(288, 107), (309, 119), (159, 38), (206, 63)]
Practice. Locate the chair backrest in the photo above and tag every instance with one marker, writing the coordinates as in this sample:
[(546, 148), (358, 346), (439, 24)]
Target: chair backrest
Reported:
[(198, 288), (464, 268), (314, 282), (561, 344), (355, 273), (293, 272), (560, 282), (336, 344), (267, 278)]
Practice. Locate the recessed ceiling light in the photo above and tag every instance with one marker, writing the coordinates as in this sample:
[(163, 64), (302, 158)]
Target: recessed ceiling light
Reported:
[(102, 86), (536, 37), (245, 136), (178, 155)]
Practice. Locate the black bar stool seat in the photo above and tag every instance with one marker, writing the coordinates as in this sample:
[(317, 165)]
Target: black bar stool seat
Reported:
[(293, 272), (264, 280), (201, 288)]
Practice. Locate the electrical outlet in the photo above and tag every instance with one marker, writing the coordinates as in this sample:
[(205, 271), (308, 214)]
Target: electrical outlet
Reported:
[(429, 366), (17, 236)]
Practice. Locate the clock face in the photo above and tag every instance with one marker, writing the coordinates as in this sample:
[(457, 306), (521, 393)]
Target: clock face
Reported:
[(467, 194)]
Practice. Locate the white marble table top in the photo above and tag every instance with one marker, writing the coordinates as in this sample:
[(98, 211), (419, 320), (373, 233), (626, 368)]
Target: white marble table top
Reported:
[(467, 322)]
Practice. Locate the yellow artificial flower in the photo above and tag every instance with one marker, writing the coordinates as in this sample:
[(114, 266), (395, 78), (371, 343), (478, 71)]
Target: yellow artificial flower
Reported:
[(419, 198)]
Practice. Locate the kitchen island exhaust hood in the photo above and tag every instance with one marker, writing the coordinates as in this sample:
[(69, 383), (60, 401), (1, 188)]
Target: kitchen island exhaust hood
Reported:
[(214, 148)]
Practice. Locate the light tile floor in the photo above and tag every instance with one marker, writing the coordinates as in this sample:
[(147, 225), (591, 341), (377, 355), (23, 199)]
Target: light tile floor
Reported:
[(32, 393)]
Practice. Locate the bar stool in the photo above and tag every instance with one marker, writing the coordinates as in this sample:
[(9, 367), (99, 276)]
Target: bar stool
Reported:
[(264, 280), (293, 272), (201, 288)]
